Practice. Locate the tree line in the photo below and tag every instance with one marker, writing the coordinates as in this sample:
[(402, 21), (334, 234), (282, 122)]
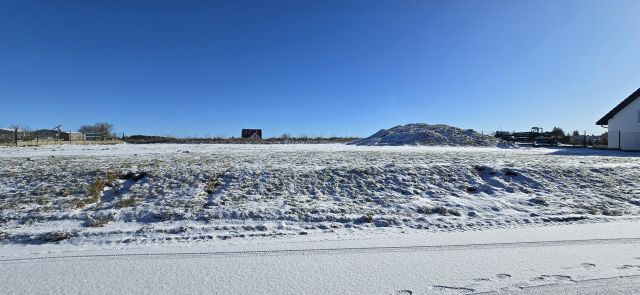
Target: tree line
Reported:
[(575, 137)]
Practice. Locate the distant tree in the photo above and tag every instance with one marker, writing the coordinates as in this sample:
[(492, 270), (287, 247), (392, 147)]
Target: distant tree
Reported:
[(576, 138), (25, 133), (100, 127), (604, 138), (15, 129), (558, 134)]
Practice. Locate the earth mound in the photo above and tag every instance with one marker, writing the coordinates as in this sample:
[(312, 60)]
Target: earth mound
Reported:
[(420, 134)]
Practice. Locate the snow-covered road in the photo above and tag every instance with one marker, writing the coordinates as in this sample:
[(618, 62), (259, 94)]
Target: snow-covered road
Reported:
[(568, 259)]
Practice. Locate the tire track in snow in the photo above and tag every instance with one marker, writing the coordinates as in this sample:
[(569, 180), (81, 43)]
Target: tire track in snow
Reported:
[(320, 251)]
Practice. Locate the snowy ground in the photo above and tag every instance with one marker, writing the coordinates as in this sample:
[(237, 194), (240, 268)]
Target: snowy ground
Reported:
[(158, 193), (594, 258), (318, 219)]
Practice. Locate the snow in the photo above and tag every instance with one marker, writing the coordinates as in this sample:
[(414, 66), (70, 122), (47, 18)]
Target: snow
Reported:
[(147, 193), (429, 135), (557, 259), (317, 219)]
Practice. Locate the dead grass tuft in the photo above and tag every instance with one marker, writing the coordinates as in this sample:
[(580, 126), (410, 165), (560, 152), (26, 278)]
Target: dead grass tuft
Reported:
[(438, 210), (126, 202)]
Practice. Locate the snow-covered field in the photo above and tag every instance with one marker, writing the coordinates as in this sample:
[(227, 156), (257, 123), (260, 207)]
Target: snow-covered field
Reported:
[(163, 193), (318, 219)]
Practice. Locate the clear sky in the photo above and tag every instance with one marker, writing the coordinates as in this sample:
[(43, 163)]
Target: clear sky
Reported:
[(188, 68)]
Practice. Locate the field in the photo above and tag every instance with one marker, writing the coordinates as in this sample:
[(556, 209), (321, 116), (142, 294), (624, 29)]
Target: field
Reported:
[(158, 193), (317, 219)]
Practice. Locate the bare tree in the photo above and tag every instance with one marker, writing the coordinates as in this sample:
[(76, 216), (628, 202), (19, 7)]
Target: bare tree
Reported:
[(15, 133), (101, 127)]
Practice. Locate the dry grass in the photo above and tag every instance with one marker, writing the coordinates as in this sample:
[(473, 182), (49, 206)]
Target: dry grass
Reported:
[(125, 203), (213, 183), (99, 221), (438, 210), (94, 193), (4, 235)]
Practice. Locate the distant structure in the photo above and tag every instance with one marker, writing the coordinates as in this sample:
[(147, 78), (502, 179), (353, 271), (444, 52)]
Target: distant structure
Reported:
[(94, 136), (75, 136), (252, 133)]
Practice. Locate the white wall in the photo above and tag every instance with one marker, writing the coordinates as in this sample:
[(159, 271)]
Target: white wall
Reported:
[(626, 123)]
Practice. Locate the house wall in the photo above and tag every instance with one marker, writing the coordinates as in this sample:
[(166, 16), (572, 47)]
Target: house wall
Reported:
[(626, 124)]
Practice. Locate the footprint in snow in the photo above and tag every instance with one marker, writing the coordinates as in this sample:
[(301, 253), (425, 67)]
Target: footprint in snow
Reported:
[(555, 278), (630, 266), (452, 290), (587, 265), (521, 285), (503, 276), (482, 280), (403, 292)]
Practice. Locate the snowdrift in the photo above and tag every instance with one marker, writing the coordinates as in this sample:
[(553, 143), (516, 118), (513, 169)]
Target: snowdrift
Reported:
[(430, 135)]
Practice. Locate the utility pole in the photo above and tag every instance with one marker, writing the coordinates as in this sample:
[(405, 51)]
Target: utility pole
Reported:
[(15, 134)]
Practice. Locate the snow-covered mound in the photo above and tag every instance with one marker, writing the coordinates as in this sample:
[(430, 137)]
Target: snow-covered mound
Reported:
[(430, 135)]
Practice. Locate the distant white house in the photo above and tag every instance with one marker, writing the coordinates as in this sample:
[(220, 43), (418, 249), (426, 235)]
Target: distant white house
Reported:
[(76, 136), (624, 124)]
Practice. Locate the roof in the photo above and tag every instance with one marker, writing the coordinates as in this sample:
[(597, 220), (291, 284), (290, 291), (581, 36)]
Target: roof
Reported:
[(627, 101)]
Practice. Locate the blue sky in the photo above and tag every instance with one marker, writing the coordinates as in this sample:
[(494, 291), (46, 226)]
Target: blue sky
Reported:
[(196, 68)]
